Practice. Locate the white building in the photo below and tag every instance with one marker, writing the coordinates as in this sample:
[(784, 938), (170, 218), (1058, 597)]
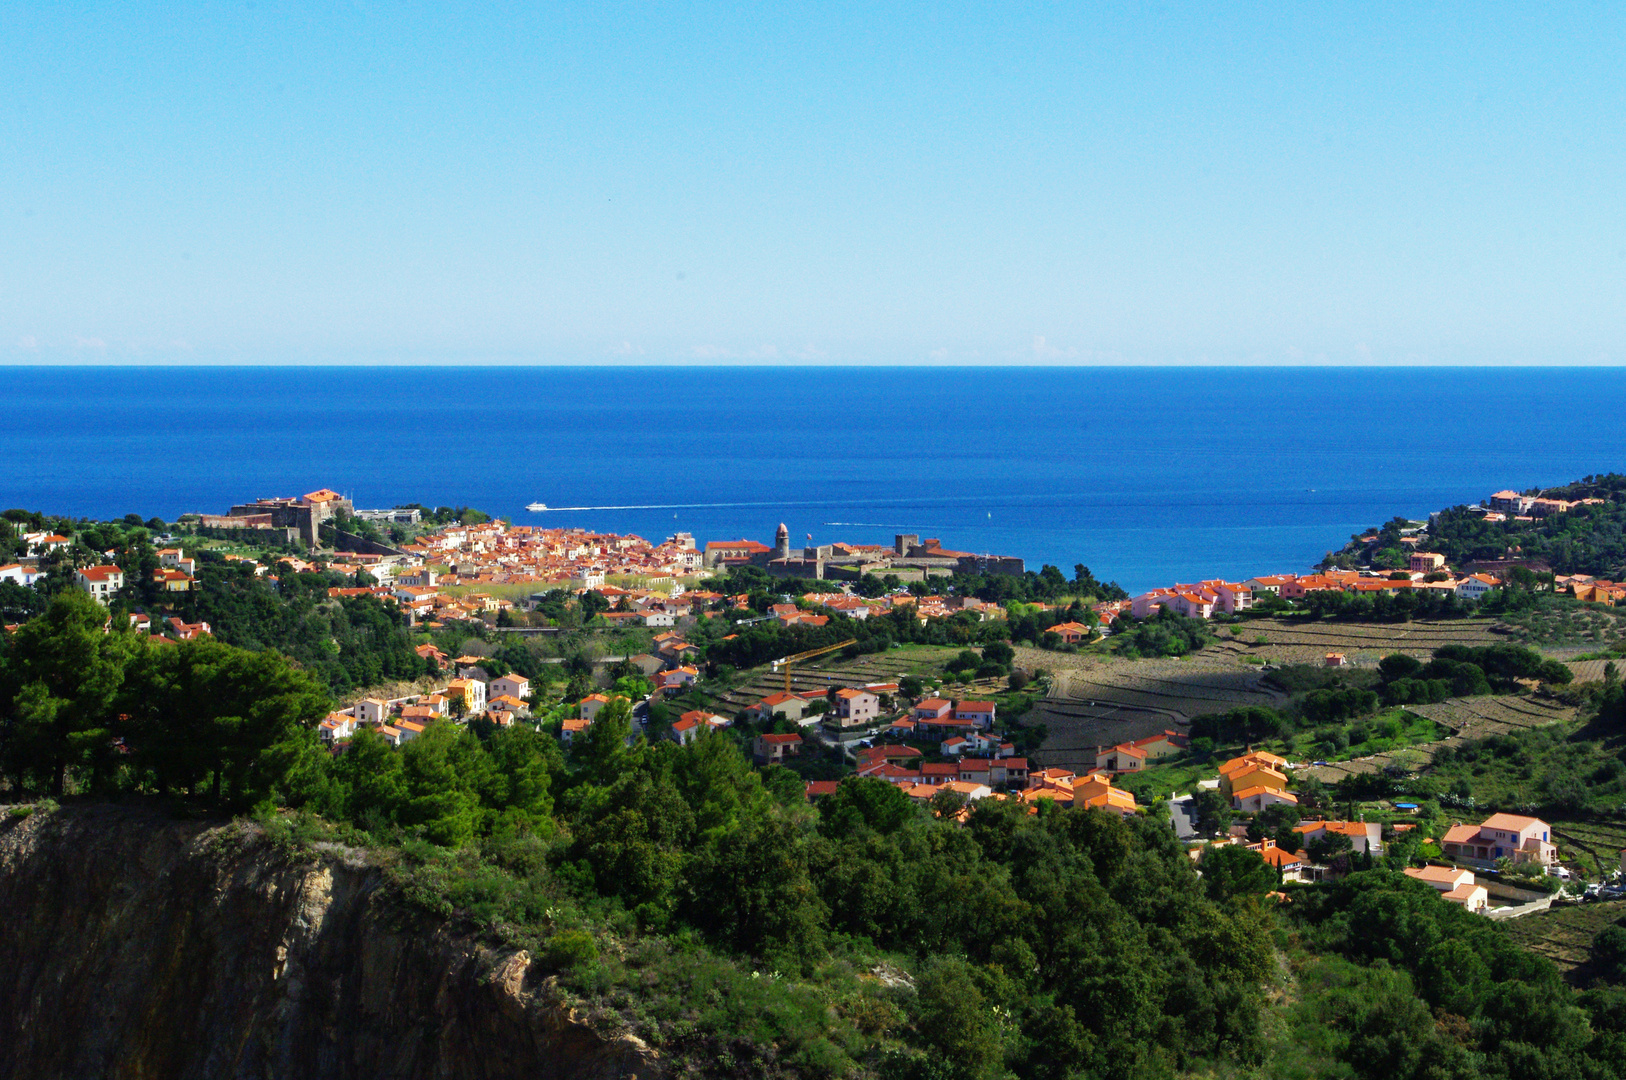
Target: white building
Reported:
[(1475, 586), (512, 685), (99, 581), (371, 711)]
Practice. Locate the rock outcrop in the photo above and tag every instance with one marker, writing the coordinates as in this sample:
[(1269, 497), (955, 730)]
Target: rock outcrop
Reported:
[(135, 946)]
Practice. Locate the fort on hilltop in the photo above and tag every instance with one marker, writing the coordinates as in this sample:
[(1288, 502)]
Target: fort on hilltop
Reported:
[(909, 559), (297, 518)]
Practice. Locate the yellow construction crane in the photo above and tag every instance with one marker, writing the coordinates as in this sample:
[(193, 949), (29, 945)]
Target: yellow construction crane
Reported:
[(808, 655)]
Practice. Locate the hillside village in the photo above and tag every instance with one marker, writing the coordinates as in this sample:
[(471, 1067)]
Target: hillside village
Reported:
[(946, 751)]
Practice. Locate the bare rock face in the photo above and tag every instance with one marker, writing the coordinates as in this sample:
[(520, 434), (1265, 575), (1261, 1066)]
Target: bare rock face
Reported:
[(135, 946)]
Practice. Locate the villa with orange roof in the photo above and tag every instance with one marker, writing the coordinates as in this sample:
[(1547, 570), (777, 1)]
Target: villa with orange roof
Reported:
[(1097, 793), (789, 706), (1454, 886), (1123, 758), (1475, 586), (1256, 797), (1255, 780), (772, 749), (1365, 837), (856, 707), (980, 713), (101, 582), (1501, 836), (590, 706), (471, 691)]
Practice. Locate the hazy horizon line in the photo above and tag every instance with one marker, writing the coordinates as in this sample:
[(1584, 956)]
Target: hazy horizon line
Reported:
[(758, 365)]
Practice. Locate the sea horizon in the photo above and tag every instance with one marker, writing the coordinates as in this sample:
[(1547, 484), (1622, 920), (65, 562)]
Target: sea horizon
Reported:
[(1146, 474)]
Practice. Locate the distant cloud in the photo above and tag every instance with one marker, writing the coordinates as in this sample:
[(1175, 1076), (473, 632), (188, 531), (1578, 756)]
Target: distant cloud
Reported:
[(938, 354), (761, 352), (626, 348), (1043, 350), (28, 341)]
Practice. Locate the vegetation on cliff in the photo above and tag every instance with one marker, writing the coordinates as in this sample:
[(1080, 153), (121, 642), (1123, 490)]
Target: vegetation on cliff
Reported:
[(705, 903), (1588, 538)]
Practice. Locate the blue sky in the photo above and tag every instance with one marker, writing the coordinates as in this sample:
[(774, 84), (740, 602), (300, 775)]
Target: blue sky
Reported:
[(833, 183)]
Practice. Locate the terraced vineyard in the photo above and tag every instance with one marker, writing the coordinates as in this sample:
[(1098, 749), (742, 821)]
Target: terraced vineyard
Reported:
[(1096, 700), (1564, 934), (823, 672), (1295, 642), (1477, 717), (1592, 670), (1104, 700), (1598, 842), (1557, 626), (1465, 718)]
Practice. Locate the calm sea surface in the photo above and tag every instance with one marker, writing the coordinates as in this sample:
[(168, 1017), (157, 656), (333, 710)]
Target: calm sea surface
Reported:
[(1147, 476)]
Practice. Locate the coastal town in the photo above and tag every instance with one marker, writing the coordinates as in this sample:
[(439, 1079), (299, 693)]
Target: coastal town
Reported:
[(643, 542), (490, 579)]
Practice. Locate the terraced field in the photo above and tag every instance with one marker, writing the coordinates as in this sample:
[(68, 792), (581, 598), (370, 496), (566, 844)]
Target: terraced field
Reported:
[(1466, 718), (1477, 717), (1591, 670), (1292, 642), (1097, 700), (1596, 842), (823, 672), (1104, 700), (1564, 934), (1557, 627)]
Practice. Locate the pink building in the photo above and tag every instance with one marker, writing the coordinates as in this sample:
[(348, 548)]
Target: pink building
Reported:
[(980, 713), (1501, 836), (1197, 601), (856, 707)]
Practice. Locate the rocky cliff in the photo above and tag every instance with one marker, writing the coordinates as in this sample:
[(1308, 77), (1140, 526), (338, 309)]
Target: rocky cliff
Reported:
[(135, 946)]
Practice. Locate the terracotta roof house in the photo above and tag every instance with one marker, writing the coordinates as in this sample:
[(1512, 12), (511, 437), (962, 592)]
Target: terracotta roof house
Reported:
[(1501, 836), (772, 749), (1454, 886), (1254, 799)]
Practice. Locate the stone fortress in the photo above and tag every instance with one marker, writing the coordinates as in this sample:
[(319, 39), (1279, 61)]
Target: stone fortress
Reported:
[(298, 518), (909, 559)]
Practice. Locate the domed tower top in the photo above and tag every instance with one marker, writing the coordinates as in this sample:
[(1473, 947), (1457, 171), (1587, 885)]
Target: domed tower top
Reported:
[(781, 541)]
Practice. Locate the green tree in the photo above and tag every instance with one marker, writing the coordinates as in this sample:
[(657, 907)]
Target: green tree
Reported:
[(441, 770), (863, 802), (1213, 812), (519, 787), (369, 774), (58, 689), (751, 887), (200, 709), (602, 748), (955, 1018), (1233, 870), (1452, 976)]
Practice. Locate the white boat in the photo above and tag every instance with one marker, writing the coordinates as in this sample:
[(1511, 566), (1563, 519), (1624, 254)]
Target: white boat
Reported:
[(536, 508)]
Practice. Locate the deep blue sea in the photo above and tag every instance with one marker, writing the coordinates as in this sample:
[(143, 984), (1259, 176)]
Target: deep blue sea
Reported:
[(1146, 475)]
